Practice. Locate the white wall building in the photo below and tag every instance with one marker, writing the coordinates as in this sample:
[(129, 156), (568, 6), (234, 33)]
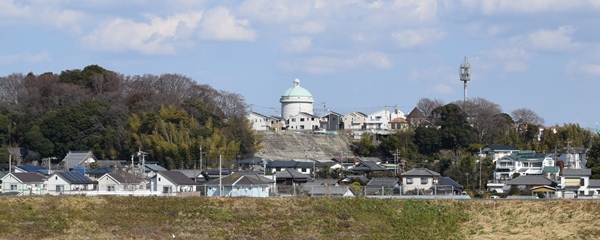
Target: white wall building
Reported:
[(259, 122), (296, 100), (380, 120)]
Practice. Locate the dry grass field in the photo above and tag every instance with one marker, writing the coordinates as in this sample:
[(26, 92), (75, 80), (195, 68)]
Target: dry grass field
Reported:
[(78, 217)]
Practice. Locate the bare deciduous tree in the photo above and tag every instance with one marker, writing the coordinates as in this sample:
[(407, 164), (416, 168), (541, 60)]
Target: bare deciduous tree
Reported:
[(524, 116), (426, 105), (482, 115)]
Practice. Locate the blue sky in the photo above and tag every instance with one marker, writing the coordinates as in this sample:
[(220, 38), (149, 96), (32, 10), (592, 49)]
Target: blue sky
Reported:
[(352, 55)]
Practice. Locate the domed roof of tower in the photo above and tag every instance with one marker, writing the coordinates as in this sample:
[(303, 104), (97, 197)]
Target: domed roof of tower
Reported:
[(296, 91)]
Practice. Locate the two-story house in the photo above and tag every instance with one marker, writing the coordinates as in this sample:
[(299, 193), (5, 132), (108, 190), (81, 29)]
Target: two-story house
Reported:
[(380, 120), (303, 122), (355, 121), (259, 122), (575, 182), (332, 121), (418, 180)]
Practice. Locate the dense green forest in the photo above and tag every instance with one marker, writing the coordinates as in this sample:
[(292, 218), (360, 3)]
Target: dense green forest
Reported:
[(168, 116), (172, 117)]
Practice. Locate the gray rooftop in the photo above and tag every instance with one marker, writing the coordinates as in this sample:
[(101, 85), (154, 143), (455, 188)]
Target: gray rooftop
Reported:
[(420, 172), (533, 180), (576, 172), (75, 159)]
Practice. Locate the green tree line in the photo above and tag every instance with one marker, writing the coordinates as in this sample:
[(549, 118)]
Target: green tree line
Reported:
[(169, 116)]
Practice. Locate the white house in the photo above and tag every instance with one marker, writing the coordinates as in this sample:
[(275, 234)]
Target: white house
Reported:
[(575, 183), (526, 163), (121, 184), (69, 183), (24, 183), (169, 183), (238, 185), (419, 179), (259, 122), (303, 122), (496, 152), (380, 120)]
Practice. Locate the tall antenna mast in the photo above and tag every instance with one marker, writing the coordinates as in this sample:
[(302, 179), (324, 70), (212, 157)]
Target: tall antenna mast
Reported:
[(465, 74)]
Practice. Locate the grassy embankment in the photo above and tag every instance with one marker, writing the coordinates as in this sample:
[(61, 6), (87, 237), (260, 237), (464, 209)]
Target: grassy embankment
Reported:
[(76, 217)]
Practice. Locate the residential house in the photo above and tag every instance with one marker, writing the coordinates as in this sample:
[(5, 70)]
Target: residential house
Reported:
[(259, 122), (31, 169), (193, 174), (447, 186), (380, 120), (69, 183), (415, 118), (122, 183), (382, 186), (533, 183), (526, 163), (288, 181), (24, 183), (252, 163), (330, 191), (419, 180), (170, 183), (572, 157), (277, 123), (575, 182), (240, 185), (215, 173), (367, 167), (304, 167), (355, 121), (79, 161), (398, 123), (152, 169), (303, 122), (332, 121), (99, 172), (498, 151)]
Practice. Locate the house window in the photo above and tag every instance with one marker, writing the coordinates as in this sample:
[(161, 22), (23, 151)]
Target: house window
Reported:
[(581, 182), (167, 190), (159, 179), (293, 119), (60, 188), (424, 181), (301, 126), (301, 119), (303, 169), (409, 181), (110, 188), (277, 169), (13, 187)]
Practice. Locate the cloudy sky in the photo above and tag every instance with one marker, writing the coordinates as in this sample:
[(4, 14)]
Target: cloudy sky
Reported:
[(352, 55)]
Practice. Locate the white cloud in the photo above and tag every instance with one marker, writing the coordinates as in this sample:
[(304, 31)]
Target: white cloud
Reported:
[(25, 58), (441, 88), (278, 11), (27, 13), (490, 7), (296, 44), (220, 24), (515, 66), (558, 40), (436, 73), (155, 36), (414, 38), (579, 68), (310, 27), (326, 65)]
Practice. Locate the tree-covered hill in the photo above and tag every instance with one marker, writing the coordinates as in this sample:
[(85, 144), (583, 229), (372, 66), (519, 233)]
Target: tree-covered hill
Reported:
[(169, 116)]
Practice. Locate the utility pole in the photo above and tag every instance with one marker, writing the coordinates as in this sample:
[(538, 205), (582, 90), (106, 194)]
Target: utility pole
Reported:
[(142, 154), (479, 169), (220, 180), (396, 154)]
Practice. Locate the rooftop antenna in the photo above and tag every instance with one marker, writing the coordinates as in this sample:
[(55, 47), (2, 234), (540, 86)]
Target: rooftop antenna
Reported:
[(465, 74)]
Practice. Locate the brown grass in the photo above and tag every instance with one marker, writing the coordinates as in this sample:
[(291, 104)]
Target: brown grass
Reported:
[(77, 217)]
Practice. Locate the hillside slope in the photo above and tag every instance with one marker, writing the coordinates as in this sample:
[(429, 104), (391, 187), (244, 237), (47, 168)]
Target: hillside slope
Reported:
[(299, 146)]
